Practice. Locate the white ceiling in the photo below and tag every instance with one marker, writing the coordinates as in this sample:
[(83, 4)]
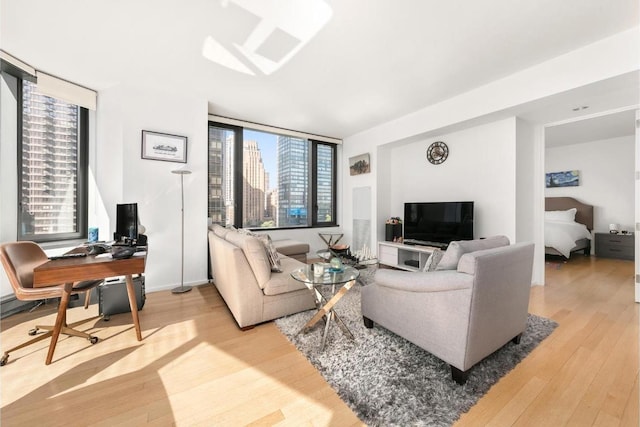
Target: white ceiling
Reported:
[(373, 61), (597, 128)]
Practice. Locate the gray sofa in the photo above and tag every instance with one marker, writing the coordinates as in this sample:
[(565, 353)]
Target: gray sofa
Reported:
[(242, 274), (476, 302)]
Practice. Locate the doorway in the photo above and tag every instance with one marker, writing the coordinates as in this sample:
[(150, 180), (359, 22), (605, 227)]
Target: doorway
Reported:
[(602, 151)]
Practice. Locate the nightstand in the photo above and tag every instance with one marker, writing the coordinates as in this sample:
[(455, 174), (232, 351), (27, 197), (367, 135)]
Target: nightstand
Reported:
[(619, 246)]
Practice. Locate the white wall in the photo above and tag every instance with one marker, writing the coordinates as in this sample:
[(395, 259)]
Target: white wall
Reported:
[(481, 168), (607, 178), (122, 176), (527, 184)]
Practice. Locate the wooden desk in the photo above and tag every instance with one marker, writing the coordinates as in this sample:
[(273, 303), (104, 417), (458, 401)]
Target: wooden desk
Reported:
[(71, 270)]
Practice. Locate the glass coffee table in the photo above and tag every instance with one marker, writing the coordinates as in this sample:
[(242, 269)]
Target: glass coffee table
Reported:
[(330, 280), (367, 266)]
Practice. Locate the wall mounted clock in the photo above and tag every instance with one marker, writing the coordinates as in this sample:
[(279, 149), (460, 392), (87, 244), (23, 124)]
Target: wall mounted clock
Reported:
[(437, 152)]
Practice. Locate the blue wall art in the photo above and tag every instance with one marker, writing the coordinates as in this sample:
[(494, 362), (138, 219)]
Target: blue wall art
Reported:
[(563, 179)]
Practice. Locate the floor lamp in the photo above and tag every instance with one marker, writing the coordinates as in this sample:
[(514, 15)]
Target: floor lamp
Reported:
[(182, 288)]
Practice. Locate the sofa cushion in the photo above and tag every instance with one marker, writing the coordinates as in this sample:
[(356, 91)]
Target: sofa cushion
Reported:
[(419, 282), (219, 230), (458, 248), (291, 247), (282, 282), (502, 255), (255, 253)]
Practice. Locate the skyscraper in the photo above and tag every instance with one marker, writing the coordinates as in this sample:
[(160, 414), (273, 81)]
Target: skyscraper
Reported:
[(293, 181), (216, 202), (253, 185), (49, 164)]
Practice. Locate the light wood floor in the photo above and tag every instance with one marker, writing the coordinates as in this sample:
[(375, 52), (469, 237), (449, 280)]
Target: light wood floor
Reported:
[(194, 367)]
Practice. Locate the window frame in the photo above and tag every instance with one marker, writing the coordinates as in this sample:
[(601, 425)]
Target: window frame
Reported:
[(314, 184), (82, 174), (312, 204)]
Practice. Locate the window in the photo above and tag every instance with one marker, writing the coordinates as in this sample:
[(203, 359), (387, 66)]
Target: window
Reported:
[(52, 167), (260, 179)]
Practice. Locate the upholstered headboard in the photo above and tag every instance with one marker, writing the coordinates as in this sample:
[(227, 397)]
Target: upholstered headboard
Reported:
[(584, 213)]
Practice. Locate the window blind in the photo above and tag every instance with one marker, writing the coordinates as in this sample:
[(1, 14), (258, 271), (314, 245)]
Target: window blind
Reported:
[(14, 66), (48, 84), (69, 92), (273, 129)]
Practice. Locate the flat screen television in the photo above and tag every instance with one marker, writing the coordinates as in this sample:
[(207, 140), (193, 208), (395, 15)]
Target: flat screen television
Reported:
[(437, 223), (126, 222)]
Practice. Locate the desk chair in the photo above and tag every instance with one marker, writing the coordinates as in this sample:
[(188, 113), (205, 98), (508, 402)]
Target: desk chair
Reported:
[(19, 260)]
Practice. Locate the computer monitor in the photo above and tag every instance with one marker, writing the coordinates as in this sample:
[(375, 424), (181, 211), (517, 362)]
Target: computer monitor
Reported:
[(126, 223)]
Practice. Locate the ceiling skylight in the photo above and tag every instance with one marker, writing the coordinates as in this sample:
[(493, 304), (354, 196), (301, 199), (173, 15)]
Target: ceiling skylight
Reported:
[(265, 34)]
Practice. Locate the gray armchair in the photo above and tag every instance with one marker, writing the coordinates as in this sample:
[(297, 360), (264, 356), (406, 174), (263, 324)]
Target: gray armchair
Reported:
[(461, 315)]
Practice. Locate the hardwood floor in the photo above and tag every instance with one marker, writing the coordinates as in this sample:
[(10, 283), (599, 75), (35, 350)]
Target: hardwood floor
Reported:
[(195, 367), (586, 372)]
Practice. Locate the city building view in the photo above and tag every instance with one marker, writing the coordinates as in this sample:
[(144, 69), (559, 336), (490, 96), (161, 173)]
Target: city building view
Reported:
[(275, 183), (49, 164)]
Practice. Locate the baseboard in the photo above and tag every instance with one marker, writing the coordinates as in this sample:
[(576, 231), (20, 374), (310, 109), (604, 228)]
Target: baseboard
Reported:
[(10, 305)]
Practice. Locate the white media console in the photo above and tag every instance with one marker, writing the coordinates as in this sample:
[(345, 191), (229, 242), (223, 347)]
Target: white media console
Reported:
[(405, 257)]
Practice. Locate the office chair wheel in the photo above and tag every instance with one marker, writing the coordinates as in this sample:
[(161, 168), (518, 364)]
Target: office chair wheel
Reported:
[(33, 331), (93, 340), (4, 359)]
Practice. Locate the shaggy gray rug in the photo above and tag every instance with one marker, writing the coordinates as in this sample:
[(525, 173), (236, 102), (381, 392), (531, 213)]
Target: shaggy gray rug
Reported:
[(388, 381)]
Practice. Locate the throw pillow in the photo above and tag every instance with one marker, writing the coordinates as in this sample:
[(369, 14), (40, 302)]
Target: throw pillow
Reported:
[(274, 258), (451, 257), (269, 247), (433, 260), (458, 248)]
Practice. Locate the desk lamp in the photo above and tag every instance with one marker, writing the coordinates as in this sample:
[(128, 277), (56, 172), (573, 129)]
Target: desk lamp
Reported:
[(182, 288)]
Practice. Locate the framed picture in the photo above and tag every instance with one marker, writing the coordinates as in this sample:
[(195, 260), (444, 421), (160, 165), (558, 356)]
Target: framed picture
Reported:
[(563, 179), (163, 146), (359, 164)]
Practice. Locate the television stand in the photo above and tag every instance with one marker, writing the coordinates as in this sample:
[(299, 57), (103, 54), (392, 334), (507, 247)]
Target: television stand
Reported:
[(403, 256), (438, 245)]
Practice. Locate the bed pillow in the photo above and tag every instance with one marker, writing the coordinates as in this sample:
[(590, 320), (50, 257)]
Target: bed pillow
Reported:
[(567, 216)]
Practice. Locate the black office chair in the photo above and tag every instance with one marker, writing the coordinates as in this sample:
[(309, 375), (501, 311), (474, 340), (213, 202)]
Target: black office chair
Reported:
[(19, 260)]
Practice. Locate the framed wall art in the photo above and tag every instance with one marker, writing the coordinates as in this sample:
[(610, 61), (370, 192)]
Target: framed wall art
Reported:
[(163, 146), (359, 164), (563, 179)]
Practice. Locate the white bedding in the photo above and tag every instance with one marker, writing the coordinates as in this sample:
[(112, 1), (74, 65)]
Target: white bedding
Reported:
[(562, 235)]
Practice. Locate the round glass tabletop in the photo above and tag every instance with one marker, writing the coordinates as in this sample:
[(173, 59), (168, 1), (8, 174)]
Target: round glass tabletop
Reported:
[(328, 277)]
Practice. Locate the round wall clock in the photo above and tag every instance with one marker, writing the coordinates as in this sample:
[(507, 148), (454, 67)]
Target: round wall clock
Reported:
[(437, 152)]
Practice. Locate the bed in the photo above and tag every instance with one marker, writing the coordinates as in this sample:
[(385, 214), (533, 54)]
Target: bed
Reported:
[(567, 227)]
